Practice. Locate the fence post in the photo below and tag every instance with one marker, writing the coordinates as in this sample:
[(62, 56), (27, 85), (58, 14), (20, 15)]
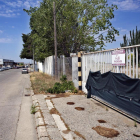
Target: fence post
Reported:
[(64, 70), (79, 71), (136, 62)]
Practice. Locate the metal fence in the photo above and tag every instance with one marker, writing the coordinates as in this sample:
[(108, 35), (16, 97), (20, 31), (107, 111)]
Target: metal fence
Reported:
[(102, 60)]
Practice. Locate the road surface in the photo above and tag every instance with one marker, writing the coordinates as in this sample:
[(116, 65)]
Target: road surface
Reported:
[(12, 86)]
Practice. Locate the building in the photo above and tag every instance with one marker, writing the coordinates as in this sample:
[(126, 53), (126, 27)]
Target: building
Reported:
[(6, 62)]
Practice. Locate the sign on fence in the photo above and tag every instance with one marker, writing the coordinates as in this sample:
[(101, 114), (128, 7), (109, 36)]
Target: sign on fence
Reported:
[(118, 57)]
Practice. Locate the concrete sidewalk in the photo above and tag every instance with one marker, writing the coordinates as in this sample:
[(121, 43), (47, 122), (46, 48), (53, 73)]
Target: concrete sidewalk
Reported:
[(56, 119), (26, 129)]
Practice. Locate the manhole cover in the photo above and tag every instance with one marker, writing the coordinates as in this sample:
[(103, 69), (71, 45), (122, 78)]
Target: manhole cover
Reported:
[(101, 121), (136, 135), (79, 108), (70, 103)]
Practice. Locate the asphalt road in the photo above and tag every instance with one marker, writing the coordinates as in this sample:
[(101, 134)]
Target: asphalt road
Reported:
[(12, 84)]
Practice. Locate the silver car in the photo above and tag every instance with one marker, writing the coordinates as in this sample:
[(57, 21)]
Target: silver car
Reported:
[(24, 71)]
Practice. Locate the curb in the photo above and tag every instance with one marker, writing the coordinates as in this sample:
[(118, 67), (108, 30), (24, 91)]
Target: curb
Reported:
[(49, 126), (40, 125), (46, 126)]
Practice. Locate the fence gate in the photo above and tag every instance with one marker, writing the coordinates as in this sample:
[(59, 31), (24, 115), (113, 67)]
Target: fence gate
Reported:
[(102, 60)]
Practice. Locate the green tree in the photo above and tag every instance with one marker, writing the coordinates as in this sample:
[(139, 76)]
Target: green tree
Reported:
[(27, 51), (82, 25), (134, 39)]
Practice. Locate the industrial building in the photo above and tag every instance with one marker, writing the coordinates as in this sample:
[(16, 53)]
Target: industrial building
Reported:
[(7, 62)]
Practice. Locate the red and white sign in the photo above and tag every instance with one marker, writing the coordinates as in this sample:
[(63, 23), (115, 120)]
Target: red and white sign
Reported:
[(118, 57)]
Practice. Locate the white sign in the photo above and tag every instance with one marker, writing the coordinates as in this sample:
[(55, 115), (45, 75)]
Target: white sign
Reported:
[(118, 57), (1, 61)]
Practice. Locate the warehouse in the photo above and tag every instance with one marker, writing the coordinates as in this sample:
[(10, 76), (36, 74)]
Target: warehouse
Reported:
[(6, 62)]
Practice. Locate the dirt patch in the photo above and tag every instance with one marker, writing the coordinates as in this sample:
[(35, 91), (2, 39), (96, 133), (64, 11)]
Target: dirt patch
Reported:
[(27, 94), (70, 103), (66, 131), (98, 104), (63, 95), (60, 95), (80, 93), (79, 108), (80, 135), (41, 82), (106, 132), (54, 111), (101, 121), (136, 135), (114, 125)]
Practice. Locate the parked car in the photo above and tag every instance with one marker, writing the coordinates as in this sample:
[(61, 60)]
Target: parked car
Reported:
[(7, 68), (10, 67), (4, 68), (24, 71), (15, 67), (1, 69)]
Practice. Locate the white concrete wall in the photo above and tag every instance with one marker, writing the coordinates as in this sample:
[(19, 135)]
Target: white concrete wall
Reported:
[(40, 66), (49, 65), (75, 71)]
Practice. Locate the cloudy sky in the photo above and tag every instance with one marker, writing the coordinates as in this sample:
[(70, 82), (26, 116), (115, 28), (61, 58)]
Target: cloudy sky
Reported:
[(14, 21)]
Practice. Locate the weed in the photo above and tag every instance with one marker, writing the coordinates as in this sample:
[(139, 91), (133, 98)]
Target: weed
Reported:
[(41, 82), (106, 109), (63, 78), (135, 123), (33, 109)]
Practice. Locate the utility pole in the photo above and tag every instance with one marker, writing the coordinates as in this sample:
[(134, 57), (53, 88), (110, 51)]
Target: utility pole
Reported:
[(33, 60), (55, 41)]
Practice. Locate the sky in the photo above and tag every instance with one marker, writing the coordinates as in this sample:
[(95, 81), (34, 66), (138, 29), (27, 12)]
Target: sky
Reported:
[(14, 21)]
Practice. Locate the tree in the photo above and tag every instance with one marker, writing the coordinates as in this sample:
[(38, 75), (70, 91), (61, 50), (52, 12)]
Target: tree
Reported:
[(134, 39), (27, 51), (82, 25)]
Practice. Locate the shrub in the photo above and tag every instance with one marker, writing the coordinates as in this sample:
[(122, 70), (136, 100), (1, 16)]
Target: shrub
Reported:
[(50, 90), (62, 87), (75, 90), (63, 78)]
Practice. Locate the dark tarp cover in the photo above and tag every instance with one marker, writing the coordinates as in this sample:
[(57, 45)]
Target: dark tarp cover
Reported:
[(117, 89)]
